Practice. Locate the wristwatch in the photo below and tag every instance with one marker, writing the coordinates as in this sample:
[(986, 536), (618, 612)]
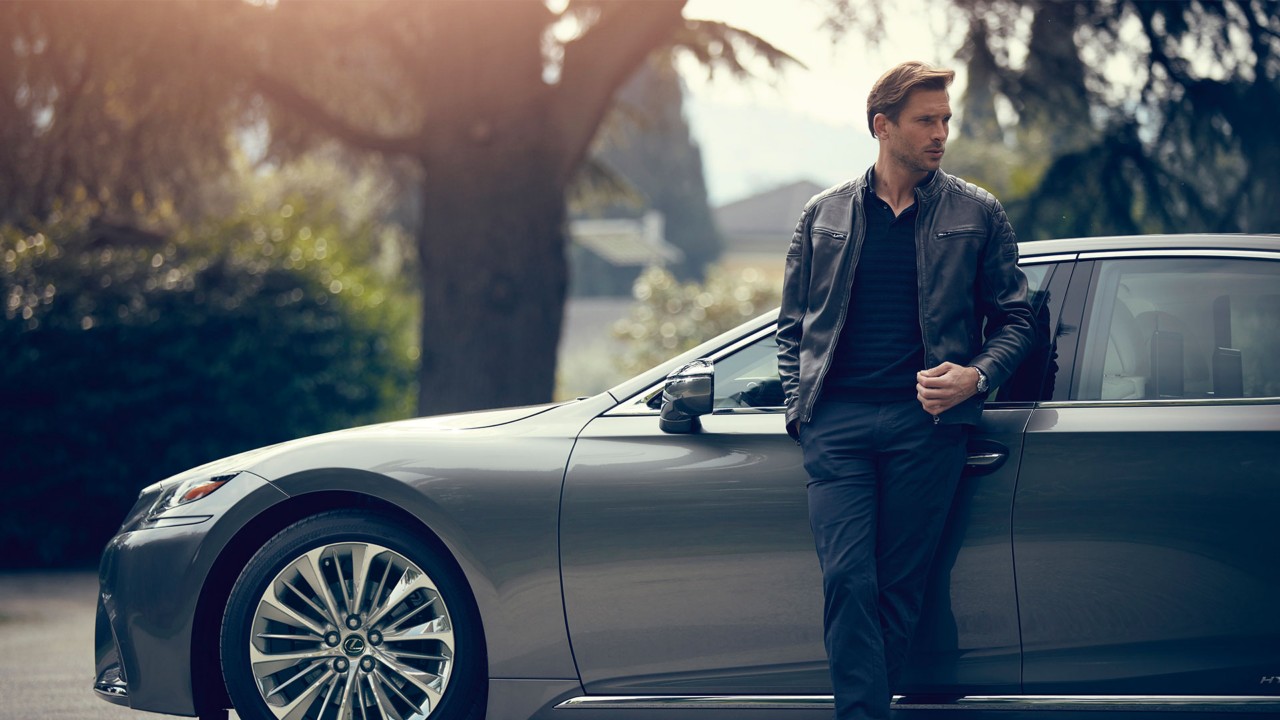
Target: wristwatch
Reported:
[(982, 380)]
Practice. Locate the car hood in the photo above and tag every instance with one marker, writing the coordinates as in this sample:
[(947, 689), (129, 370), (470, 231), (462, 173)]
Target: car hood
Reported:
[(459, 421), (398, 429)]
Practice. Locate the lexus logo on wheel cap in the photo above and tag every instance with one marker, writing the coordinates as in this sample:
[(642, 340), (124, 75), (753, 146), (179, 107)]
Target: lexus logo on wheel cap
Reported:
[(353, 645)]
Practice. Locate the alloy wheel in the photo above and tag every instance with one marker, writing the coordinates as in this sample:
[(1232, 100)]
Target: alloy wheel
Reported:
[(351, 631)]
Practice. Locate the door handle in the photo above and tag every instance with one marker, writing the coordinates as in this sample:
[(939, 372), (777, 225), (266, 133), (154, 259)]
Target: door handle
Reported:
[(983, 459), (985, 456)]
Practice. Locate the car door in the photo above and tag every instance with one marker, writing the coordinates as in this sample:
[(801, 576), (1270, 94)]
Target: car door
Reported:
[(1144, 519), (968, 638), (688, 563)]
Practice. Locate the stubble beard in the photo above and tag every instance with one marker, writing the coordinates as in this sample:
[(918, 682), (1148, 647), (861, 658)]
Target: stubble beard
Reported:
[(916, 161)]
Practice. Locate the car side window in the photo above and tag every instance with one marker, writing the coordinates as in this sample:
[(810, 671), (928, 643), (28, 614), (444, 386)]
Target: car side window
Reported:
[(1173, 328), (749, 377)]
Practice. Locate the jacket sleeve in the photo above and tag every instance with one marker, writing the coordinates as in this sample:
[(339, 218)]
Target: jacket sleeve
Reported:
[(795, 302), (1009, 332)]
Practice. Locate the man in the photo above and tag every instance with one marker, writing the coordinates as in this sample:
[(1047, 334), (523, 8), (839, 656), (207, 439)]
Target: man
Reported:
[(886, 361)]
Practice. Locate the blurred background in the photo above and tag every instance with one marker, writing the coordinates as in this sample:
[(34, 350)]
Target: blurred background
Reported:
[(225, 224)]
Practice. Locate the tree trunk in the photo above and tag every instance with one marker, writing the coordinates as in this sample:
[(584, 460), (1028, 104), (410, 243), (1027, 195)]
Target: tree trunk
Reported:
[(493, 273), (1055, 97), (501, 149), (497, 143), (1262, 155)]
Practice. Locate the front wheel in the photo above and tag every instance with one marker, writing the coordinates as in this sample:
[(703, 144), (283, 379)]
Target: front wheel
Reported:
[(352, 615)]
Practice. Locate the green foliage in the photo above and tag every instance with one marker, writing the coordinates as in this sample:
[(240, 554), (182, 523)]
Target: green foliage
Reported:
[(133, 355), (670, 317), (1122, 117), (110, 99)]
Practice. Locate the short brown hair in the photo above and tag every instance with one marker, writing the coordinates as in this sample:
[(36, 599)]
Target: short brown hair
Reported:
[(889, 94)]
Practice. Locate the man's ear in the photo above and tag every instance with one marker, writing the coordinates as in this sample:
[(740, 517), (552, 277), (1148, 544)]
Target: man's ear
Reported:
[(880, 122)]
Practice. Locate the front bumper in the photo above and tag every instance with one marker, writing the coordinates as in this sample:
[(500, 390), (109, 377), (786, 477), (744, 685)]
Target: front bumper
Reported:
[(150, 581), (109, 681)]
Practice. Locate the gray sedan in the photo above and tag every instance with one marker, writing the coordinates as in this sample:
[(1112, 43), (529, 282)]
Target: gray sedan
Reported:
[(646, 552)]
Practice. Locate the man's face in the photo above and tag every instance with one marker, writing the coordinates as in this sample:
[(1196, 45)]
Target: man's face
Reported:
[(918, 140)]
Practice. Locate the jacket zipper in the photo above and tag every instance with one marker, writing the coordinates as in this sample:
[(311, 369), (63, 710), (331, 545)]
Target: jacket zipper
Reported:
[(959, 231), (924, 339), (856, 235)]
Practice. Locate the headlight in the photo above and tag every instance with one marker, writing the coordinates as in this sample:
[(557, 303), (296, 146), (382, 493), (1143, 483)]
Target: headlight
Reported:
[(188, 491)]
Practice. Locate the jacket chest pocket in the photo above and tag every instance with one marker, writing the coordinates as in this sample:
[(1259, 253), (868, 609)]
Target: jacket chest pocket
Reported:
[(827, 244), (828, 250), (827, 235), (966, 239), (967, 233)]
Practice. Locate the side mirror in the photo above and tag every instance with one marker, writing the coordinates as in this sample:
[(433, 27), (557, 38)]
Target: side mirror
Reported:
[(687, 394)]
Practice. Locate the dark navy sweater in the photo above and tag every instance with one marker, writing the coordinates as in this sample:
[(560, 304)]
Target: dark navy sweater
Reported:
[(881, 347)]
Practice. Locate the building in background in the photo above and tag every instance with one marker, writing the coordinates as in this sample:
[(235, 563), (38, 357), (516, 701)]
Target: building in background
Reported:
[(606, 255), (757, 229)]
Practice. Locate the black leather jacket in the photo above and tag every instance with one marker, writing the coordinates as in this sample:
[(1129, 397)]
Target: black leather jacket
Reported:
[(966, 263)]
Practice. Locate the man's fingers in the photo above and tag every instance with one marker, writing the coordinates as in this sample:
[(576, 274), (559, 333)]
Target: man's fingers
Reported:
[(942, 381), (930, 391), (929, 380), (940, 388), (939, 370)]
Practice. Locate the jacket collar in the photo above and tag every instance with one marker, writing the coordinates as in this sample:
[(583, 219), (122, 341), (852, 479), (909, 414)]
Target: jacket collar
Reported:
[(928, 191)]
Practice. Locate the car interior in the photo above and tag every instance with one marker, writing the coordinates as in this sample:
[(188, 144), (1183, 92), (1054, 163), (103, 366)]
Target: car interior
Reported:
[(1185, 334)]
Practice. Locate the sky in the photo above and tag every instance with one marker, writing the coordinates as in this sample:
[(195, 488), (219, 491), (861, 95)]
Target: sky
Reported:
[(808, 123)]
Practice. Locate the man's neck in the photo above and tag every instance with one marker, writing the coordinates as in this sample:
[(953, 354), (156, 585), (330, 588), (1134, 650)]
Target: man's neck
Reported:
[(896, 185)]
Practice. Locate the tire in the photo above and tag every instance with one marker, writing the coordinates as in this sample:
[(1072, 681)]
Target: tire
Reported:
[(302, 641)]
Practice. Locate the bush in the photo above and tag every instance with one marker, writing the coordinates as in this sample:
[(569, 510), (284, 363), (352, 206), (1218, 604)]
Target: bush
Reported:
[(130, 356), (670, 317)]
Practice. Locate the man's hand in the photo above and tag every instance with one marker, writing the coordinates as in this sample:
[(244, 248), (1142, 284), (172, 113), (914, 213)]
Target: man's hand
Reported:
[(943, 387)]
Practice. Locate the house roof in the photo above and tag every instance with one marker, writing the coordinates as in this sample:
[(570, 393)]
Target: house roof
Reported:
[(763, 222), (770, 211), (625, 242)]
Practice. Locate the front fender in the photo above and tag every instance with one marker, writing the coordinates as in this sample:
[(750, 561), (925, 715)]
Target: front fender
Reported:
[(492, 498)]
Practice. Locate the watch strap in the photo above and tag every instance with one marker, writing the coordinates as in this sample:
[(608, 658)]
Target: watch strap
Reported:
[(983, 384)]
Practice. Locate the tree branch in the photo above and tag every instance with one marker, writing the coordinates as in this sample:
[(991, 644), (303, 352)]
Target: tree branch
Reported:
[(288, 97), (1176, 67), (1257, 35), (716, 45), (599, 62)]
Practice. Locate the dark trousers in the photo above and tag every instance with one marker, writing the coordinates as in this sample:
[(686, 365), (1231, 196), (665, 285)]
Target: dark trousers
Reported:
[(882, 477)]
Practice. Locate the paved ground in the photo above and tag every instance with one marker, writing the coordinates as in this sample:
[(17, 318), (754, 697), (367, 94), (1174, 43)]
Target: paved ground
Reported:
[(46, 649)]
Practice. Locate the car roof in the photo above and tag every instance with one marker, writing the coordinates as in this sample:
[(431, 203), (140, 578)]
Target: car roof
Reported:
[(1203, 241)]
